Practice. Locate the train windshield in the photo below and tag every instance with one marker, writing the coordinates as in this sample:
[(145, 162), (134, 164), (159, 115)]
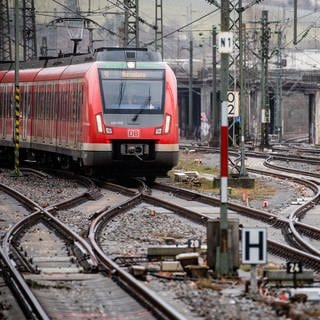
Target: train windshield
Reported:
[(132, 91)]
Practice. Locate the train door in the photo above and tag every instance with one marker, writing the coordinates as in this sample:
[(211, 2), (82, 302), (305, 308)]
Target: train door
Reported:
[(67, 110), (61, 120), (52, 110), (3, 101), (6, 111), (57, 114), (76, 94), (26, 96), (38, 114), (48, 113), (71, 112)]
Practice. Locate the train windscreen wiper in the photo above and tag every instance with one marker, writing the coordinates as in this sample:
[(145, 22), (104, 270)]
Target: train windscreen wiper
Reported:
[(122, 88), (142, 107)]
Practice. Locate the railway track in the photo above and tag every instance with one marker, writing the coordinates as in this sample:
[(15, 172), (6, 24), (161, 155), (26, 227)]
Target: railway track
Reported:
[(156, 208), (56, 270), (101, 205), (296, 228)]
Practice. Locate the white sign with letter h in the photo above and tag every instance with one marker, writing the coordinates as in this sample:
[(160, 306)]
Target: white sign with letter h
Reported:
[(254, 245)]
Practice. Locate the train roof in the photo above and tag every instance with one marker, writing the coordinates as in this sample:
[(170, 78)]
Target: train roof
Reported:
[(103, 54), (76, 66), (27, 75), (127, 54)]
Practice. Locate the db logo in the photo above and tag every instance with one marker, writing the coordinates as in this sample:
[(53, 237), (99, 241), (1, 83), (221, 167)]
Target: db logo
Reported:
[(133, 133)]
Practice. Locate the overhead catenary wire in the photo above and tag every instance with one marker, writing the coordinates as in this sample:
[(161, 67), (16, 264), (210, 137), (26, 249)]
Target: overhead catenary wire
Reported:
[(85, 18), (185, 26), (124, 7)]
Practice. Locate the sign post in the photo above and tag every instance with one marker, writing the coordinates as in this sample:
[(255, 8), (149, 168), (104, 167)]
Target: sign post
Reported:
[(294, 268), (225, 42), (254, 251), (233, 104)]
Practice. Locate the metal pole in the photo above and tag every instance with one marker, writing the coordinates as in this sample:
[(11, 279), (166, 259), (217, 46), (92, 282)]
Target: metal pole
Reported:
[(190, 87), (17, 92), (265, 111), (279, 88), (253, 279), (223, 262), (137, 24), (214, 111), (295, 21), (243, 170)]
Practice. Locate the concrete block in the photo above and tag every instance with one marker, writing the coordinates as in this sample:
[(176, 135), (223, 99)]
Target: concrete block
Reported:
[(236, 182), (180, 177), (194, 271), (138, 271), (171, 266), (168, 250), (192, 174), (186, 259)]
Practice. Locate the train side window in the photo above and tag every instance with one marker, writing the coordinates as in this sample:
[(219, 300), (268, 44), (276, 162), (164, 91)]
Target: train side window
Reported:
[(56, 101), (23, 90), (2, 101), (81, 98), (28, 99), (77, 100), (44, 101), (52, 101), (46, 107), (38, 105), (59, 101), (9, 104), (25, 100), (34, 101), (2, 105), (48, 101), (64, 101), (73, 97), (5, 106), (41, 96)]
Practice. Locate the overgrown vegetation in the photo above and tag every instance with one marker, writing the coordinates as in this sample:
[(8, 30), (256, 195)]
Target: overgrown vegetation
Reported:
[(261, 190)]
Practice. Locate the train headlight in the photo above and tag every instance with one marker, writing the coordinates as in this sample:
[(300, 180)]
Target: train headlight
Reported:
[(99, 123), (131, 64), (158, 131), (167, 124)]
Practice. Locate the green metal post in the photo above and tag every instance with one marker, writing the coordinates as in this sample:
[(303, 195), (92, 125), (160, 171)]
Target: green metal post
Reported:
[(243, 170), (265, 110), (295, 21), (190, 88), (214, 111), (278, 113)]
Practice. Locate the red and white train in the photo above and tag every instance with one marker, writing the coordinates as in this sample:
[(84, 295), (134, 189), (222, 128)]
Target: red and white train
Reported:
[(115, 112)]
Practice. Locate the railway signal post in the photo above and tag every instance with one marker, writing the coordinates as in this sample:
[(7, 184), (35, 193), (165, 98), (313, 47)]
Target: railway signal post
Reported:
[(223, 261)]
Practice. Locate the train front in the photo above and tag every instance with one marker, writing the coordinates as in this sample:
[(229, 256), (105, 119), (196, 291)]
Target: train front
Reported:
[(139, 96)]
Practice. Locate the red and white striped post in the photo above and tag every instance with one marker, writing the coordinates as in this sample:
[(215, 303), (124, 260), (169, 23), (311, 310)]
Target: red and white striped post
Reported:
[(224, 153), (223, 260)]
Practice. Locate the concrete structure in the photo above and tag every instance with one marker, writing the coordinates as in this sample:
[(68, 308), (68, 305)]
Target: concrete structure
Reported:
[(300, 99)]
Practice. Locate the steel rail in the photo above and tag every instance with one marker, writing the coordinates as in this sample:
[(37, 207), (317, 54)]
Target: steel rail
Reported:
[(267, 217), (149, 298), (30, 303)]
